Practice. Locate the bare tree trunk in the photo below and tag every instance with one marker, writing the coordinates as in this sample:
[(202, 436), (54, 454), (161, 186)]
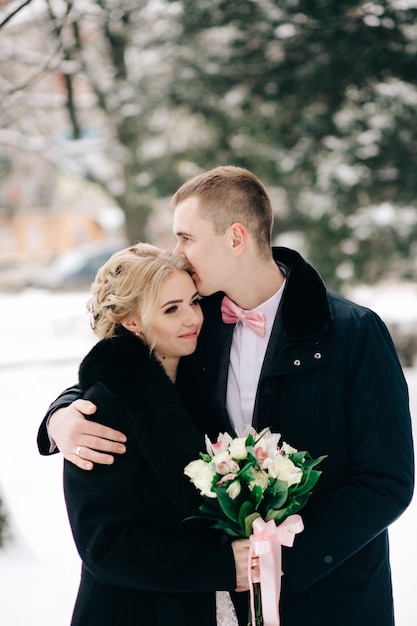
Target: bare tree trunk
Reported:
[(136, 216), (3, 524)]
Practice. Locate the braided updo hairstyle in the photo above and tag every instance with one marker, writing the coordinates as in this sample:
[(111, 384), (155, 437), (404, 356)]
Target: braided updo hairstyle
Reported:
[(129, 284)]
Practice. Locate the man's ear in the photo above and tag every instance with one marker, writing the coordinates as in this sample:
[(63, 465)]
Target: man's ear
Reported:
[(239, 238)]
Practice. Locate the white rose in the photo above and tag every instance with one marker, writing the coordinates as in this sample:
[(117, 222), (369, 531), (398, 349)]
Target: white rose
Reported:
[(283, 468), (261, 481), (201, 475), (237, 449)]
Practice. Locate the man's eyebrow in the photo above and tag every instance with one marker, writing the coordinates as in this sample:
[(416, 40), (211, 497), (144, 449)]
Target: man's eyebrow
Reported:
[(181, 233)]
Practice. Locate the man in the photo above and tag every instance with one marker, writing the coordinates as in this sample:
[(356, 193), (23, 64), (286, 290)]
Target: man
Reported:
[(321, 370)]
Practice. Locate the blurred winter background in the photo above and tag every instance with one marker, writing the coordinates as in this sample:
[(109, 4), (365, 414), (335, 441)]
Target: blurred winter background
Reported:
[(106, 107)]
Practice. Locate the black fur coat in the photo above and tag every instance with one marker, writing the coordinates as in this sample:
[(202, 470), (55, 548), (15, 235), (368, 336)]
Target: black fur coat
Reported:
[(141, 562)]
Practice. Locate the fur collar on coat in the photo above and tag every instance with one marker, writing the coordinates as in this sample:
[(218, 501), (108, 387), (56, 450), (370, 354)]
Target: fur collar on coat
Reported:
[(305, 306), (158, 425)]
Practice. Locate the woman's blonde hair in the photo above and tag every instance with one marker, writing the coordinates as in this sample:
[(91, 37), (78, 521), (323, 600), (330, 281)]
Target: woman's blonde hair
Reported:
[(129, 284)]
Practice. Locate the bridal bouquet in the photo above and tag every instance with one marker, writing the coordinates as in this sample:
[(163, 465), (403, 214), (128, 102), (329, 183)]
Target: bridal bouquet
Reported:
[(251, 485)]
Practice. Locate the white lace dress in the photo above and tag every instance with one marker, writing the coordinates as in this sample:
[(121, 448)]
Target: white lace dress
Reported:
[(226, 615)]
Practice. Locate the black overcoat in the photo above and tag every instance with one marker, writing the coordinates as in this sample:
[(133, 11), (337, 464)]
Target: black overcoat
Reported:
[(331, 384), (141, 563)]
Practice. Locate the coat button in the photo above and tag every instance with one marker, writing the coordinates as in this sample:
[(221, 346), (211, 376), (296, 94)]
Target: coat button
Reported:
[(297, 362), (317, 355), (328, 559)]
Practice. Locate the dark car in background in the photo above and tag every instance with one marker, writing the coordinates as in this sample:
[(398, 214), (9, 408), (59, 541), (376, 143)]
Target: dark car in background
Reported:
[(77, 267)]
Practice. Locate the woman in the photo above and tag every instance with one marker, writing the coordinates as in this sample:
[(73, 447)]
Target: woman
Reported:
[(142, 563)]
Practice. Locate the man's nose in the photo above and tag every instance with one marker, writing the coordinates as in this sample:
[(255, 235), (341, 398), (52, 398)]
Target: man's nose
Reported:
[(178, 251)]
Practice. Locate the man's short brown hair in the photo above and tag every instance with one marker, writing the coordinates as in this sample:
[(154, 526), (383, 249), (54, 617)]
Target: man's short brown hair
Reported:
[(230, 194)]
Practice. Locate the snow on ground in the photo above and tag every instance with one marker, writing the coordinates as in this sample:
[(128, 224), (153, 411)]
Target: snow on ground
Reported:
[(42, 338)]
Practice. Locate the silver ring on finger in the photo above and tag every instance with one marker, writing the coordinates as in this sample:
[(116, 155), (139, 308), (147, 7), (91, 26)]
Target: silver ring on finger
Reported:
[(78, 450)]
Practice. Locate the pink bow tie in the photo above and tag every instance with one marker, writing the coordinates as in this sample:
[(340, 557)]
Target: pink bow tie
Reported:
[(231, 314)]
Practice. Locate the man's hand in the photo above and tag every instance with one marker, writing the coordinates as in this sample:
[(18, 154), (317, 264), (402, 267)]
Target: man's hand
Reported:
[(240, 549), (82, 441)]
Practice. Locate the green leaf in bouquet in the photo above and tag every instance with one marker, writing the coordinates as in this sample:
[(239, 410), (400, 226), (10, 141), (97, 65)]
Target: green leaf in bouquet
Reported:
[(307, 483), (298, 458), (229, 506), (247, 473), (278, 515), (228, 527), (210, 507), (298, 502), (250, 441), (257, 495), (205, 457), (277, 493), (304, 461), (310, 463), (251, 458), (295, 504), (248, 523), (209, 510), (245, 510)]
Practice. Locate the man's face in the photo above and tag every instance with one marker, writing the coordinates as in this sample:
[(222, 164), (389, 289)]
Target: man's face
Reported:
[(206, 251)]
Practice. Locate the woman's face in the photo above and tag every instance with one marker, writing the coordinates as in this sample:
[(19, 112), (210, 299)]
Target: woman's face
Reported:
[(178, 318)]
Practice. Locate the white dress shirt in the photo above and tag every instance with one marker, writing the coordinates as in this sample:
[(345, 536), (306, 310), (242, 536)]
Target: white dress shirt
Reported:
[(247, 353)]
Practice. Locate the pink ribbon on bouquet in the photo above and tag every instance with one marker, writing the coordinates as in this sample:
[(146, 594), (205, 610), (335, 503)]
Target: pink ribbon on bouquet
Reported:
[(266, 542)]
